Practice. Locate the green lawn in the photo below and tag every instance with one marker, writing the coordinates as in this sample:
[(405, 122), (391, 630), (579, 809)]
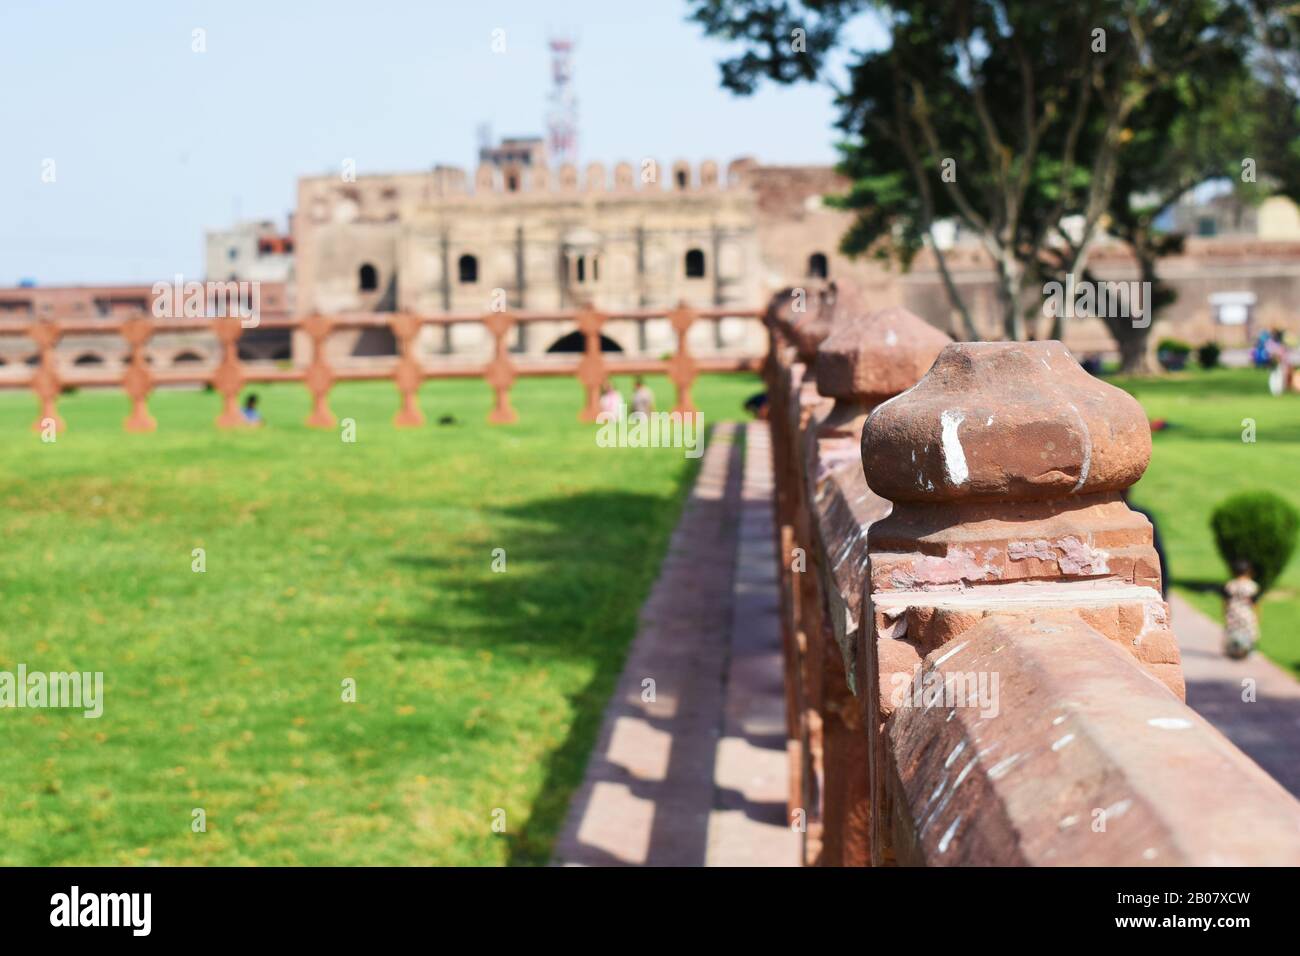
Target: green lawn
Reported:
[(476, 691), (1199, 461), (372, 561)]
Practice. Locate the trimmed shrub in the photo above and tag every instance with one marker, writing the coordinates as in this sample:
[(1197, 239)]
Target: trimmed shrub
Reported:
[(1257, 527), (1208, 355), (1172, 354)]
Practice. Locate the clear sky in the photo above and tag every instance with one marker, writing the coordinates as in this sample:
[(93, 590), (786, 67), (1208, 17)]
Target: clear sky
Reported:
[(152, 143)]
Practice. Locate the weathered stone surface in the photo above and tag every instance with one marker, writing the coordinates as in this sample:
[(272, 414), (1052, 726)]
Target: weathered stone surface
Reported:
[(810, 331), (875, 357), (1072, 756), (791, 306), (868, 359), (1010, 421), (1032, 574)]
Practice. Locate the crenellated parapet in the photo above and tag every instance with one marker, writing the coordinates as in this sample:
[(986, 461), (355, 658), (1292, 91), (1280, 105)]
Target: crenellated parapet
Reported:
[(647, 178)]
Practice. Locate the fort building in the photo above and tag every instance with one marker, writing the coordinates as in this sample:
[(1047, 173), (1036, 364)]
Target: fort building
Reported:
[(522, 236)]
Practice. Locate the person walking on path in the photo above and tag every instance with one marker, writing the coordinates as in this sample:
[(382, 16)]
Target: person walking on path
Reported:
[(1241, 624), (1279, 379)]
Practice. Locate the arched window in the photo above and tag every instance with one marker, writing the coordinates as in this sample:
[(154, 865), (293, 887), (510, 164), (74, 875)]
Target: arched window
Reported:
[(468, 268), (817, 265), (695, 264), (577, 342), (368, 278), (682, 181)]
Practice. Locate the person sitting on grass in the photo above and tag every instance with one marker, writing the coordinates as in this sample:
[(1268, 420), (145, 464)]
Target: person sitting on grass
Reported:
[(1241, 625), (252, 416), (643, 400), (611, 402)]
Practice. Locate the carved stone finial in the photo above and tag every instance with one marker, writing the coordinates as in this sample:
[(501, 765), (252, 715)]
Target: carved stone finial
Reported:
[(1005, 421), (866, 361)]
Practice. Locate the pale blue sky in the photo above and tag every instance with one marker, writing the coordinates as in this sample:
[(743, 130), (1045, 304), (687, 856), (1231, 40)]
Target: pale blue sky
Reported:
[(153, 143)]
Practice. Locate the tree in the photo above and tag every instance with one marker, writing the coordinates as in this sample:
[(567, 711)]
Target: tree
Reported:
[(1008, 116), (1183, 134), (1228, 117)]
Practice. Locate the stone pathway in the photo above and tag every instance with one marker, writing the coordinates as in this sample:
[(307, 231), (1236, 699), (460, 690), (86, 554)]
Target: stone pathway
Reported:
[(1268, 728), (695, 773)]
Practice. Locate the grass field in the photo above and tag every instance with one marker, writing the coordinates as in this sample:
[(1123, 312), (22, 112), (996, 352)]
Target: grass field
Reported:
[(1200, 460), (476, 691)]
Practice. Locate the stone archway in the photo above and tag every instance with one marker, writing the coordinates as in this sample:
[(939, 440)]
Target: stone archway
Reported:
[(577, 342)]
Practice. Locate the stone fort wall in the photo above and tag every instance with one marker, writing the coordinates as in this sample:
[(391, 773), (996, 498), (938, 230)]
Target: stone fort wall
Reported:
[(643, 235)]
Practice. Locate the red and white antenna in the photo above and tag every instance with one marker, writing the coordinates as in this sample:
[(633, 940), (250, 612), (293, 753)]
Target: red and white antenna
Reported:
[(562, 119)]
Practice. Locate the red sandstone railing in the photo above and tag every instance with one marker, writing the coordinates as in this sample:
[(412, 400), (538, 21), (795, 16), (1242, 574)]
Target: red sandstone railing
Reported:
[(406, 371), (966, 536)]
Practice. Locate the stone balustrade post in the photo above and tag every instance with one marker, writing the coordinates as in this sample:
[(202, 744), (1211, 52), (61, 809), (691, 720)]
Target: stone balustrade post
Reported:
[(592, 370), (228, 379), (798, 320), (1006, 466), (319, 377), (500, 372), (137, 381), (407, 374), (45, 380), (777, 371), (681, 367), (866, 360)]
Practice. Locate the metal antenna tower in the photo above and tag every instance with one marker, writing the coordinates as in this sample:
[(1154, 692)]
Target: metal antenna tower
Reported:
[(562, 118)]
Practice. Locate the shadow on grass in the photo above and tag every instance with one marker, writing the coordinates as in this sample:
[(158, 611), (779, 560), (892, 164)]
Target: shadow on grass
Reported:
[(1199, 585), (1243, 383), (579, 569), (1190, 429)]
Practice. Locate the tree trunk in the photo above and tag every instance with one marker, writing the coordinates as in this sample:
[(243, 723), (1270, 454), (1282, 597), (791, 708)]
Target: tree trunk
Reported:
[(1134, 358), (1009, 275)]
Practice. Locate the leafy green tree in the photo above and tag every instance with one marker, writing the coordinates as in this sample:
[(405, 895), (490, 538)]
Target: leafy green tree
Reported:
[(1014, 118)]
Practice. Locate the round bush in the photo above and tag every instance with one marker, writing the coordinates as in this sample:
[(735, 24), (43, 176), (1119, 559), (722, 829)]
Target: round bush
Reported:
[(1172, 354), (1257, 527), (1208, 355)]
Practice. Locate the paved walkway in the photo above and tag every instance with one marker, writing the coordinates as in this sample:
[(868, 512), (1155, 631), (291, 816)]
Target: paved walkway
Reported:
[(695, 774), (1267, 728)]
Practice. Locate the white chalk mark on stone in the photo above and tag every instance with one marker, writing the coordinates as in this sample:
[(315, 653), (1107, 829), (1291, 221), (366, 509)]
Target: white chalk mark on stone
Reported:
[(1000, 769), (940, 660), (965, 770), (956, 751), (1087, 450), (1117, 810), (954, 456), (947, 836)]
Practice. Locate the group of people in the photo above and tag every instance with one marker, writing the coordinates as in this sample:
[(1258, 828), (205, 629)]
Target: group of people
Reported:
[(613, 406), (1271, 350)]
